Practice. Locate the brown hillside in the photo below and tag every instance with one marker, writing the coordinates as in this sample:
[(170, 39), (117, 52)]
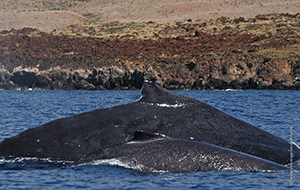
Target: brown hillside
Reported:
[(93, 44), (54, 14)]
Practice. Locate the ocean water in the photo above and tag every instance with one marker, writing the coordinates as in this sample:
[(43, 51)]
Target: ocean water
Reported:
[(272, 110)]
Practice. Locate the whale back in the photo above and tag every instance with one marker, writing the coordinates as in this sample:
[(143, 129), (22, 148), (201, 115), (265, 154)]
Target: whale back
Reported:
[(157, 152), (157, 111)]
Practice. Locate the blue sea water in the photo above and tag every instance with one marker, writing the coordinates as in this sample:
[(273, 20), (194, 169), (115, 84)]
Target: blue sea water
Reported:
[(272, 110)]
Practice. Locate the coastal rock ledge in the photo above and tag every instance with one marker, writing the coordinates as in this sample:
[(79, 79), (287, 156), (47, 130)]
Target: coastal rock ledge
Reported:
[(244, 75), (61, 79)]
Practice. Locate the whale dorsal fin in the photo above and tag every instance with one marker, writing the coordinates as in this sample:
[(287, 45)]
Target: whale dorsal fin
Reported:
[(143, 136), (154, 93)]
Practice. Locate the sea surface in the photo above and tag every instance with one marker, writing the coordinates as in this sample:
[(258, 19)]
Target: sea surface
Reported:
[(275, 111)]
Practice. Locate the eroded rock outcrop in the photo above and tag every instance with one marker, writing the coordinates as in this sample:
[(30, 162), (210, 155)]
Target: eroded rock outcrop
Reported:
[(57, 78), (255, 74)]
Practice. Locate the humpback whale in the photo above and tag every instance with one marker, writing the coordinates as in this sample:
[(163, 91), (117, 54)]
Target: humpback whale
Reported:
[(157, 111), (157, 152)]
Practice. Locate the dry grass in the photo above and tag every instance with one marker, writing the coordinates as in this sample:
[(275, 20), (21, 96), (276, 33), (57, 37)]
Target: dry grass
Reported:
[(54, 14), (288, 53), (130, 19), (260, 25)]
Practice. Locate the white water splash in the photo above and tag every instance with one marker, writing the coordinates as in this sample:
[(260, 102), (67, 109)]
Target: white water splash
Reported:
[(120, 163), (4, 160), (297, 145), (116, 162)]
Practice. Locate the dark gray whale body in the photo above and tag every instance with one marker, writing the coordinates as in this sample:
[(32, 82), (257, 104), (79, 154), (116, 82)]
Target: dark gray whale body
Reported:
[(161, 153), (157, 111)]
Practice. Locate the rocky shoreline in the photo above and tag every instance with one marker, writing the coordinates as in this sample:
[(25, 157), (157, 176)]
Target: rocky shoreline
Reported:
[(254, 53), (249, 76)]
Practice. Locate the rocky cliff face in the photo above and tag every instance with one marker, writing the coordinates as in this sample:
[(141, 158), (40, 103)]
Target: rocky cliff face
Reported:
[(187, 55), (57, 78), (227, 74)]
